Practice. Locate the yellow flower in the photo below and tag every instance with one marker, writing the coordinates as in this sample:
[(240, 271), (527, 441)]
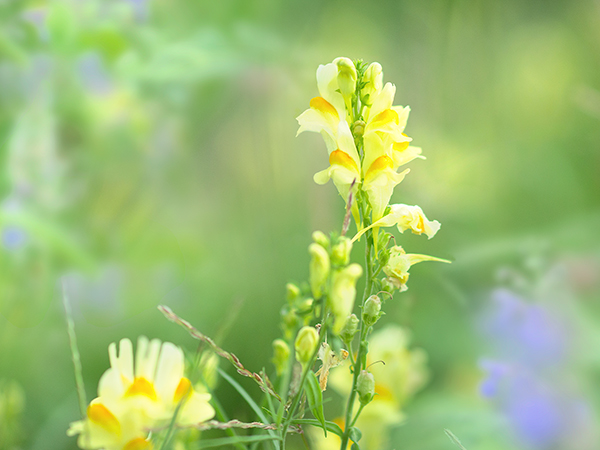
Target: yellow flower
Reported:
[(406, 217), (133, 398), (344, 167), (399, 264), (327, 110)]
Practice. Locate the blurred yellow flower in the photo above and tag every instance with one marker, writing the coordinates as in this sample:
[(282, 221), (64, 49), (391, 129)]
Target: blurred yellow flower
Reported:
[(134, 398), (403, 375)]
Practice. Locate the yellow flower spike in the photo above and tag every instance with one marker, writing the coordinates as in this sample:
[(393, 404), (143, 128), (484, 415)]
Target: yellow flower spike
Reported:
[(399, 264), (405, 217), (343, 294)]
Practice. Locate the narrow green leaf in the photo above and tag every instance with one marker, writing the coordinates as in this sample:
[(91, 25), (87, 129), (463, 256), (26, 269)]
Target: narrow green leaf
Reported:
[(331, 426), (454, 439), (218, 442), (314, 396), (259, 412)]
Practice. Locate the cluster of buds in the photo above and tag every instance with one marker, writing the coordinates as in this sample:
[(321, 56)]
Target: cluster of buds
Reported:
[(331, 273)]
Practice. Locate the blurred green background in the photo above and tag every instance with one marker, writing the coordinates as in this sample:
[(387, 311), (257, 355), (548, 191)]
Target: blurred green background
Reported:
[(148, 157)]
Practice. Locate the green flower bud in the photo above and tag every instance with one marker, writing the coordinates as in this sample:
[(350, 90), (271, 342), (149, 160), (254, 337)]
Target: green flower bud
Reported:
[(343, 293), (346, 76), (292, 292), (318, 269), (320, 238), (372, 310), (290, 321), (358, 128), (373, 78), (340, 253), (365, 386), (306, 344), (350, 328), (281, 354)]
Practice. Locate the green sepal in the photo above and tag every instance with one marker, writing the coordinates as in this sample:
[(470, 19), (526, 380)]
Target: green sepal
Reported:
[(355, 434)]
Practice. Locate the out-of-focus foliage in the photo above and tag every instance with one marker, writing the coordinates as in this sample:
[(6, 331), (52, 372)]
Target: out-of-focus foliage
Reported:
[(148, 156)]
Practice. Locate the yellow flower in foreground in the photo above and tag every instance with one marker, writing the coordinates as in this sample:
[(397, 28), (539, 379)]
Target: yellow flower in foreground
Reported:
[(134, 398), (399, 264)]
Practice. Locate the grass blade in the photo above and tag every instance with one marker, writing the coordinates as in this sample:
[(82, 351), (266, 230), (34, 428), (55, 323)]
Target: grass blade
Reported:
[(454, 439), (75, 354)]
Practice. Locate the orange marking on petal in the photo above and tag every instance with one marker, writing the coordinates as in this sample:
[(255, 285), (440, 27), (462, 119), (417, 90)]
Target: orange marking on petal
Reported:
[(323, 106), (184, 389), (340, 158), (401, 146), (101, 415), (381, 163), (138, 444), (385, 117), (141, 386)]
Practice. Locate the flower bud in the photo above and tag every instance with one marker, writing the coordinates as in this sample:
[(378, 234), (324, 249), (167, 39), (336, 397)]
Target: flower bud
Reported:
[(289, 320), (292, 292), (358, 128), (306, 344), (372, 310), (320, 238), (350, 328), (373, 79), (340, 253), (346, 77), (343, 293), (281, 354), (365, 385), (318, 269)]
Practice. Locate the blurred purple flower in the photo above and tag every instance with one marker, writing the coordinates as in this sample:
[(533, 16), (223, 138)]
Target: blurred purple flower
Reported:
[(522, 331), (13, 238)]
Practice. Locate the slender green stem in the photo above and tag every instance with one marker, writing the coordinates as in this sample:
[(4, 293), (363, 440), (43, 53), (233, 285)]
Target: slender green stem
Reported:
[(361, 356), (305, 370), (75, 355)]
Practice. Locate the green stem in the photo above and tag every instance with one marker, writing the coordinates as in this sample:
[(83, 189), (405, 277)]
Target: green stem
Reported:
[(361, 356), (305, 371)]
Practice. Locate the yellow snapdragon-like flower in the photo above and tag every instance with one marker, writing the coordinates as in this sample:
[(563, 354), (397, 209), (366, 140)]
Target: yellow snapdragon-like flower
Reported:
[(134, 398), (405, 217), (400, 262)]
